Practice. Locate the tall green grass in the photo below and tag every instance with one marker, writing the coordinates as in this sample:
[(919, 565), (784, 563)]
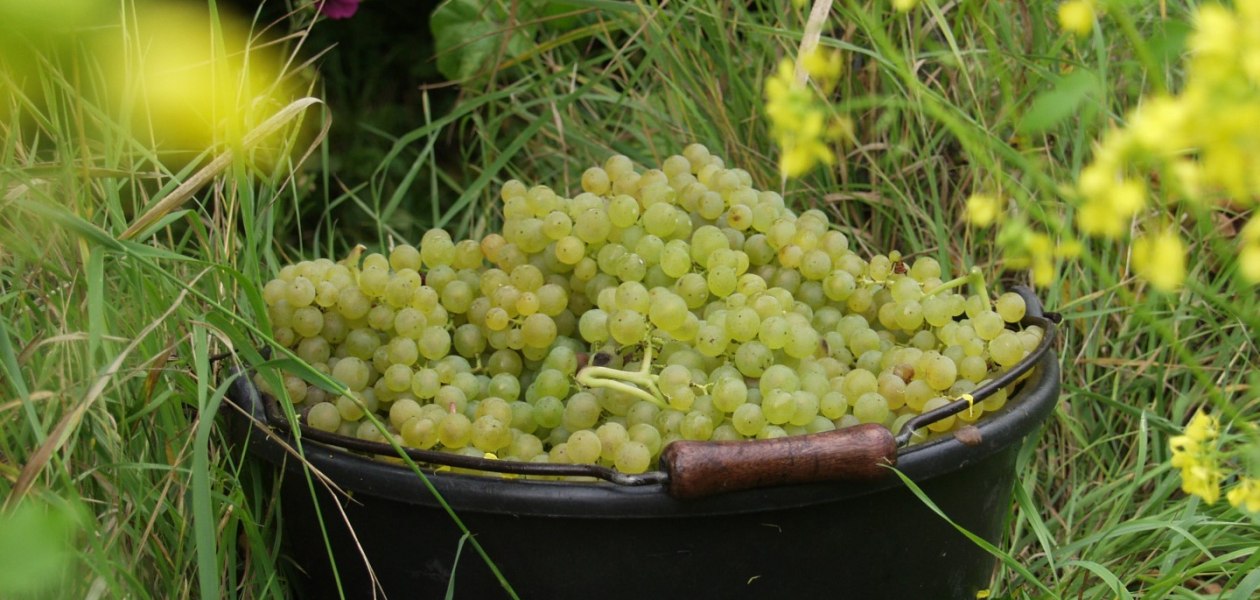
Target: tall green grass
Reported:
[(947, 100), (109, 403)]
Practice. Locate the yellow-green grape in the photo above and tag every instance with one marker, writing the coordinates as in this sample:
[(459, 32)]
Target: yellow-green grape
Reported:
[(552, 299), (570, 250), (871, 407), (802, 343), (299, 292), (434, 343), (326, 294), (627, 327), (324, 417), (988, 325), (581, 412), (584, 447), (806, 408), (350, 408), (538, 330), (1011, 307), (748, 419), (995, 401), (397, 378), (307, 321), (668, 311), (353, 304), (611, 436), (404, 256), (490, 434), (409, 322), (421, 432), (352, 372), (596, 181), (296, 388), (943, 424), (381, 318), (633, 457), (455, 431), (314, 350), (697, 426), (1006, 349), (525, 447), (778, 406), (403, 410)]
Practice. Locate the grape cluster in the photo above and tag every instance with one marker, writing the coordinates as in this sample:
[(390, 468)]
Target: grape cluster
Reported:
[(657, 305)]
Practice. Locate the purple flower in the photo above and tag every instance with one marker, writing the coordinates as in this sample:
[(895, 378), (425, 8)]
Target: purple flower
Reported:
[(339, 9)]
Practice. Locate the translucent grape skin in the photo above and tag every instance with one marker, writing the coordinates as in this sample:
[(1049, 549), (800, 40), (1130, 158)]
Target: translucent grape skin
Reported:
[(763, 322)]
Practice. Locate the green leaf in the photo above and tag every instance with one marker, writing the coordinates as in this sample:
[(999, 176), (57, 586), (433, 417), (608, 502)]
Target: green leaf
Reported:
[(1168, 43), (1052, 107), (35, 548), (560, 16), (468, 35)]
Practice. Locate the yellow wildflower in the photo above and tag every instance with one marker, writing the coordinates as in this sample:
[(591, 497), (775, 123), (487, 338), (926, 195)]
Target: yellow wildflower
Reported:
[(1068, 249), (800, 157), (1077, 16), (983, 210), (197, 85), (1215, 36), (1096, 179), (801, 121), (1160, 258), (1249, 263), (1109, 204), (1158, 125), (1195, 454), (905, 5), (1203, 427), (1128, 197), (1202, 480), (1246, 493), (824, 67), (1249, 256), (1187, 178), (1097, 218), (1033, 250)]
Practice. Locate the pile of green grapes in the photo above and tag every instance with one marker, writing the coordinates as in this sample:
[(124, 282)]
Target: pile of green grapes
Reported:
[(658, 305)]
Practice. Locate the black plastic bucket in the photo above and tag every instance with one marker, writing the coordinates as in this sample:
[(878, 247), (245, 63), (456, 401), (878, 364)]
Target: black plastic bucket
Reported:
[(602, 540)]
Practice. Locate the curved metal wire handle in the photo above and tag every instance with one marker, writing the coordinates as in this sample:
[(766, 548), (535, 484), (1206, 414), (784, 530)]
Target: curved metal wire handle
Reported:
[(276, 418)]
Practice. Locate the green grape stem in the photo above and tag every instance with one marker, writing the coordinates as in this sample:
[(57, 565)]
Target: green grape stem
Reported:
[(629, 382), (974, 277)]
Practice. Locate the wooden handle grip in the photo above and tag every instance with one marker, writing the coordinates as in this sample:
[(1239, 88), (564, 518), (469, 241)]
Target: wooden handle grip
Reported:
[(698, 469)]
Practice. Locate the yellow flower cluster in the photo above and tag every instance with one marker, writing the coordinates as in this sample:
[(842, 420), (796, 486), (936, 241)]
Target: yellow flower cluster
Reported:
[(1024, 248), (1200, 142), (1245, 494), (802, 123), (1077, 16), (1249, 255), (1194, 452), (984, 210), (1160, 258)]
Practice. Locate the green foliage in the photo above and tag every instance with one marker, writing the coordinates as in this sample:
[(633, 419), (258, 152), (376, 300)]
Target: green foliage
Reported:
[(1049, 109), (473, 36), (35, 548)]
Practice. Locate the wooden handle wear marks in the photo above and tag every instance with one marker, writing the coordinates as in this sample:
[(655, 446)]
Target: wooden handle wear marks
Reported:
[(699, 469)]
